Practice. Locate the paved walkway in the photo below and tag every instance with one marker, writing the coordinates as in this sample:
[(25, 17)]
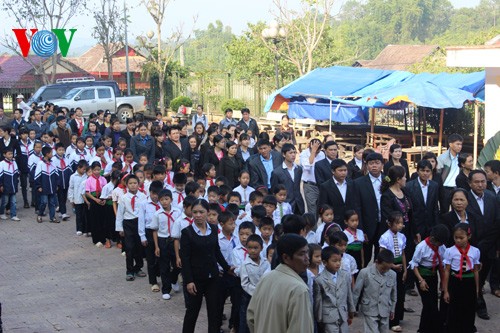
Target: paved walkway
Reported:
[(52, 280)]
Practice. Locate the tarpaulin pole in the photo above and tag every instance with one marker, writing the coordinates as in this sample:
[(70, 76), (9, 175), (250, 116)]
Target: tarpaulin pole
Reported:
[(372, 127), (441, 121), (331, 105), (476, 130)]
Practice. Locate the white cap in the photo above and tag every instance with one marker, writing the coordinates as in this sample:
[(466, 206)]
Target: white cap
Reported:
[(20, 96)]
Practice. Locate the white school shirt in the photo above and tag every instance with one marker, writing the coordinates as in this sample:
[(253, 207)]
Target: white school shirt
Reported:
[(76, 156), (74, 183), (423, 255), (251, 273), (147, 184), (348, 264), (245, 193), (107, 190), (146, 211), (125, 211), (307, 168), (163, 223), (227, 246), (387, 242), (80, 192), (452, 257), (240, 218), (90, 151), (238, 256), (287, 209), (69, 151), (360, 236), (178, 198), (130, 168), (33, 160), (321, 229), (311, 237), (117, 194), (182, 222)]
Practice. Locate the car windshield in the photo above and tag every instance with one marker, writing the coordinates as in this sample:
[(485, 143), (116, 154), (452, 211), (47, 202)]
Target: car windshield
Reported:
[(70, 94)]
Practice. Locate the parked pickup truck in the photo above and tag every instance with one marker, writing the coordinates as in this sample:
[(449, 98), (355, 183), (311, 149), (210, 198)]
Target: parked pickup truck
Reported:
[(93, 98)]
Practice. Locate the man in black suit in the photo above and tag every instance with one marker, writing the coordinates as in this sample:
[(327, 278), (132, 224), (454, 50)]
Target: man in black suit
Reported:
[(492, 169), (175, 148), (323, 168), (262, 165), (367, 195), (289, 174), (247, 123), (338, 192), (482, 203)]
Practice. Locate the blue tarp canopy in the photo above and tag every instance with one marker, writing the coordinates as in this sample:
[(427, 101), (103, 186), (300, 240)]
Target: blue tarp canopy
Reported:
[(321, 111), (363, 87)]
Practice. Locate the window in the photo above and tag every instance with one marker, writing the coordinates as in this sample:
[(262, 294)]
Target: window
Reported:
[(51, 93), (104, 93), (87, 94)]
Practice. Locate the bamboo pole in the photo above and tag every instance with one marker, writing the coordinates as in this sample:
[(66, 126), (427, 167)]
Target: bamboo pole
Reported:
[(476, 131), (372, 126), (441, 121)]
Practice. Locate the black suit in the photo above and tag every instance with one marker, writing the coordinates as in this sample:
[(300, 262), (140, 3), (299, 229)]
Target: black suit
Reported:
[(230, 167), (175, 153), (323, 171), (252, 125), (450, 220), (353, 171), (258, 174), (329, 194), (390, 163), (462, 181), (293, 195), (368, 212), (425, 213)]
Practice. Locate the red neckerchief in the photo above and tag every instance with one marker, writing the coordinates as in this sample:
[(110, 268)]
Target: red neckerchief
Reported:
[(103, 162), (27, 147), (98, 187), (141, 189), (63, 163), (436, 258), (91, 150), (169, 218), (11, 164), (190, 220), (180, 198), (48, 164), (354, 234), (132, 202), (211, 180), (156, 205), (463, 255), (110, 152), (245, 253), (169, 179), (123, 188)]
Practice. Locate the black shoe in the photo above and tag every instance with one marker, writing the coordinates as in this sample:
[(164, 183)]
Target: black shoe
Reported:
[(409, 310), (26, 205), (483, 314)]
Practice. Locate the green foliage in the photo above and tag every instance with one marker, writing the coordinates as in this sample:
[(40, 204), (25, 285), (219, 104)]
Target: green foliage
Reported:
[(233, 104), (180, 100), (455, 120)]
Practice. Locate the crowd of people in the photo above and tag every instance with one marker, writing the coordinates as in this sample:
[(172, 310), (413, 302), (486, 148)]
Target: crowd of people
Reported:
[(224, 208)]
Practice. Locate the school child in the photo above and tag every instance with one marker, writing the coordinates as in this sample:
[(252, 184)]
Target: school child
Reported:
[(146, 211), (159, 173), (339, 240), (72, 147), (89, 147), (426, 263), (178, 193), (193, 188), (99, 157), (93, 190), (240, 252), (257, 214), (162, 224), (26, 149), (333, 302), (107, 210), (74, 196), (325, 213), (224, 190), (148, 175), (128, 161), (108, 149), (228, 284), (169, 174), (79, 154), (140, 176), (143, 159), (252, 269), (221, 180), (116, 196), (65, 171), (315, 263), (213, 194), (127, 226), (461, 281), (46, 176), (270, 203), (122, 144), (355, 237), (208, 170), (184, 221), (32, 163), (282, 208), (213, 213), (393, 240), (203, 185), (235, 198), (310, 220), (243, 189), (375, 292), (266, 229), (255, 198), (9, 182), (182, 166)]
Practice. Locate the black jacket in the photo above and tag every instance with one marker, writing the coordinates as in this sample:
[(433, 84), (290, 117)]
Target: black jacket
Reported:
[(462, 181), (390, 163), (175, 153), (389, 204), (252, 125), (425, 213), (366, 206), (258, 175), (450, 220), (138, 148), (322, 171), (293, 195), (230, 168), (353, 171), (330, 194)]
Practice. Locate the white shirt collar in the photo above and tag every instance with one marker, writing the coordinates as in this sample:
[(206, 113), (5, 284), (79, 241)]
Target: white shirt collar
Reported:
[(476, 196), (373, 179), (422, 185)]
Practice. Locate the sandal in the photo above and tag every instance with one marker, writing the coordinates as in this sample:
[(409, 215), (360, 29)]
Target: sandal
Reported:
[(155, 288), (497, 293), (397, 328)]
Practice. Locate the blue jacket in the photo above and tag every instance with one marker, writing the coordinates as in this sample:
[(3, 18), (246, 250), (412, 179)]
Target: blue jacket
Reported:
[(9, 177), (65, 171), (46, 177)]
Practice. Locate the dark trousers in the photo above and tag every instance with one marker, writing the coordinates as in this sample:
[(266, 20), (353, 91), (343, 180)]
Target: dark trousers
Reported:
[(81, 217), (97, 222), (23, 178), (495, 274), (245, 300), (461, 315), (400, 300), (205, 288), (483, 274), (230, 285), (371, 247), (409, 284), (62, 197), (152, 260), (167, 258), (133, 246), (430, 320), (445, 200)]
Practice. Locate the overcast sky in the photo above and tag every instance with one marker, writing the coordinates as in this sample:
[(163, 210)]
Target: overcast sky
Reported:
[(234, 13)]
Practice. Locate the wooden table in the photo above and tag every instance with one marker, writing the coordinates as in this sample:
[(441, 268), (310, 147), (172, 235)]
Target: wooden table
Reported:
[(417, 150)]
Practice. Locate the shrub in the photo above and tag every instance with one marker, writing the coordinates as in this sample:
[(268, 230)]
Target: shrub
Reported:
[(233, 104), (180, 100)]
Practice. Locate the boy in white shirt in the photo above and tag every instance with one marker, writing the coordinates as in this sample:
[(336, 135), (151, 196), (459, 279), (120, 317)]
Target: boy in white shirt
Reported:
[(75, 197), (243, 189), (178, 194)]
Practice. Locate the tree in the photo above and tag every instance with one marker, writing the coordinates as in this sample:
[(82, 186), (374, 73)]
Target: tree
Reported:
[(108, 30), (41, 15), (166, 53)]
